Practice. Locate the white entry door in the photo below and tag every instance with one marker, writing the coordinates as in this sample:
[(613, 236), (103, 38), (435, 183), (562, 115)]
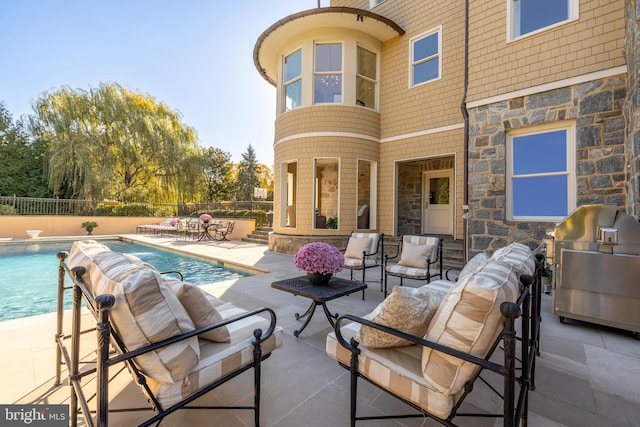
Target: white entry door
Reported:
[(437, 202)]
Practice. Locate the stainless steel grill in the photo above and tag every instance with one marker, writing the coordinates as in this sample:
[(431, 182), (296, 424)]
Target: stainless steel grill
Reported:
[(596, 260)]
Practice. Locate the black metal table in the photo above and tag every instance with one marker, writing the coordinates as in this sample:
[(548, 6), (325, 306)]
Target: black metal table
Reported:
[(319, 294)]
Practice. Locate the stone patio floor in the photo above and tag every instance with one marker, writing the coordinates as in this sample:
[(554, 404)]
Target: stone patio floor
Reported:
[(587, 375)]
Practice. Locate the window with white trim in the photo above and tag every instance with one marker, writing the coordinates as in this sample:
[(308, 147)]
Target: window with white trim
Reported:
[(327, 78), (425, 58), (292, 80), (374, 3), (366, 78), (541, 173), (531, 16)]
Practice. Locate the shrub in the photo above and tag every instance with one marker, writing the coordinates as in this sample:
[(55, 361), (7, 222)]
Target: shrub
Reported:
[(7, 210)]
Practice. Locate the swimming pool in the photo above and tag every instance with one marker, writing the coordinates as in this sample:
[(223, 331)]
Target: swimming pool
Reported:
[(29, 273)]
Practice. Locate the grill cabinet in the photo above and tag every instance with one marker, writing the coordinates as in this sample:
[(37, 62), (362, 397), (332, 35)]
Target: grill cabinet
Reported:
[(596, 260)]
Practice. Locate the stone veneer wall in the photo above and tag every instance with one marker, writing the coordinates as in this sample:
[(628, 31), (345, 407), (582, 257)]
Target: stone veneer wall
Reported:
[(597, 108), (631, 107)]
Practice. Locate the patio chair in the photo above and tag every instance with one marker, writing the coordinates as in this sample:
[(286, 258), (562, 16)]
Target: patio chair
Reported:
[(417, 256), (364, 250), (177, 341), (221, 233), (193, 228)]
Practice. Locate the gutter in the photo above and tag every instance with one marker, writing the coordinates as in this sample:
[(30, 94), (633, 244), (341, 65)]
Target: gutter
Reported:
[(465, 115)]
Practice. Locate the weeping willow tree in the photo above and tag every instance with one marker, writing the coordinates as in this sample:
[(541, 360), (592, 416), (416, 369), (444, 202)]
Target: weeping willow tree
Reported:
[(114, 143)]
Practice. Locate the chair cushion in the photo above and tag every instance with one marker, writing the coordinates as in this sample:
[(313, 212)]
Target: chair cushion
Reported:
[(518, 255), (407, 309), (356, 247), (220, 359), (401, 270), (474, 264), (468, 320), (394, 369), (357, 263), (415, 255), (201, 310), (146, 311)]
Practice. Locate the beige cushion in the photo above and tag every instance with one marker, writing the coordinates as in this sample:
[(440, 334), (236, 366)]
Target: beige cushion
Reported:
[(356, 246), (393, 369), (202, 312), (82, 252), (468, 320), (474, 264), (407, 309), (415, 255), (518, 255), (146, 311)]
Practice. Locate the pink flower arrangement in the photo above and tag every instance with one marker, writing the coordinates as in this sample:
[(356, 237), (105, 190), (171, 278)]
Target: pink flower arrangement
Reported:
[(205, 217), (318, 257)]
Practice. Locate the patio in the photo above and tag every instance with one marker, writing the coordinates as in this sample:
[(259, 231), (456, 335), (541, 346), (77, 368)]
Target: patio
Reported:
[(586, 374)]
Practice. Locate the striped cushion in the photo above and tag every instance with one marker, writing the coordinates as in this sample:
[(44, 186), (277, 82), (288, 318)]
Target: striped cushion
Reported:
[(406, 271), (82, 252), (396, 370), (219, 359), (468, 320), (146, 311), (357, 263), (518, 255), (440, 285)]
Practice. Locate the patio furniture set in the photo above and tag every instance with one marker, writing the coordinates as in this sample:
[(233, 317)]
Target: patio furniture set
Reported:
[(425, 345), (194, 228)]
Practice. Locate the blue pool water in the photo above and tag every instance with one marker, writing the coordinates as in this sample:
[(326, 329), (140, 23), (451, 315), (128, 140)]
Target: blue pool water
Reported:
[(29, 273)]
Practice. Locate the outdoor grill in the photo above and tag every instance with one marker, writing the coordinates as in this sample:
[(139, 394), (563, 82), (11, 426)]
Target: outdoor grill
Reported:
[(596, 260)]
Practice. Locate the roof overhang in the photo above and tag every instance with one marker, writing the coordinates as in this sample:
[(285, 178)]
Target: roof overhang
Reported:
[(269, 44)]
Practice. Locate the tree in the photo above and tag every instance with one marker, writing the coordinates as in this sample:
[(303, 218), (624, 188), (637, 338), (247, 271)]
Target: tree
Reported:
[(247, 178), (21, 161), (114, 143), (218, 176)]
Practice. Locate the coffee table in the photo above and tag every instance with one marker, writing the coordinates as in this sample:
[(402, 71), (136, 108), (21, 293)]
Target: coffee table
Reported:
[(318, 294)]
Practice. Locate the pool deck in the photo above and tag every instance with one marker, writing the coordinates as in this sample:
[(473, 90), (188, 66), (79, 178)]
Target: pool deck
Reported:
[(587, 375)]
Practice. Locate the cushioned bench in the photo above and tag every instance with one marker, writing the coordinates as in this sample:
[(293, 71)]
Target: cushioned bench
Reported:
[(427, 346), (177, 341)]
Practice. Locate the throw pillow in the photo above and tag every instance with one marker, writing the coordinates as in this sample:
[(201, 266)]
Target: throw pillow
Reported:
[(415, 255), (474, 264), (408, 310), (200, 309), (356, 246)]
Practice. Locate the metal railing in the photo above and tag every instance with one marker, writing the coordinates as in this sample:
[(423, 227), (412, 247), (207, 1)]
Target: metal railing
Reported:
[(12, 205)]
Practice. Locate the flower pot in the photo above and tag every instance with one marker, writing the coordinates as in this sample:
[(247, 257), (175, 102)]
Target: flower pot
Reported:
[(318, 278), (89, 230)]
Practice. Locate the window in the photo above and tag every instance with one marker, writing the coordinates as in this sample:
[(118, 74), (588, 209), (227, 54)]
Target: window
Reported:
[(540, 174), (292, 81), (529, 16), (374, 3), (367, 201), (425, 58), (366, 78), (327, 84), (327, 193), (289, 192)]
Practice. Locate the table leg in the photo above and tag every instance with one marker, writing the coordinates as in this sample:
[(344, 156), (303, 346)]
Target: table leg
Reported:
[(330, 316), (308, 314)]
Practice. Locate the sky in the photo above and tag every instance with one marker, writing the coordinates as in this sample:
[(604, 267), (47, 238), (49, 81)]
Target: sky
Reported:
[(196, 56)]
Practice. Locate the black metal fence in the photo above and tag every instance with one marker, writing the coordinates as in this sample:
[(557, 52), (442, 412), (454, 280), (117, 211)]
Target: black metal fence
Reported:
[(12, 205)]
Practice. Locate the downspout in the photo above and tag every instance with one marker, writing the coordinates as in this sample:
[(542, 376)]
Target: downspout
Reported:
[(465, 115)]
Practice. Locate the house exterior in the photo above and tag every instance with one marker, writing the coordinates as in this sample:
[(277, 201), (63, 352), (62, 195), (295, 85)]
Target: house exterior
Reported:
[(485, 120)]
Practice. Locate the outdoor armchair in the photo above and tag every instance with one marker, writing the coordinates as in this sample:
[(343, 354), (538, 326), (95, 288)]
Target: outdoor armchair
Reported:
[(419, 258)]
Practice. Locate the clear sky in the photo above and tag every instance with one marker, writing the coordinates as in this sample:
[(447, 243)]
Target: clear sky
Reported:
[(196, 56)]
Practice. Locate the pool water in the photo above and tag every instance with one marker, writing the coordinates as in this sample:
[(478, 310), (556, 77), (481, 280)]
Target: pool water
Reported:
[(29, 273)]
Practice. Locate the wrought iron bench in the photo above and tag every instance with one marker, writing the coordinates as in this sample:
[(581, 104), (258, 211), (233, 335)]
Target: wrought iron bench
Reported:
[(173, 360), (433, 372)]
